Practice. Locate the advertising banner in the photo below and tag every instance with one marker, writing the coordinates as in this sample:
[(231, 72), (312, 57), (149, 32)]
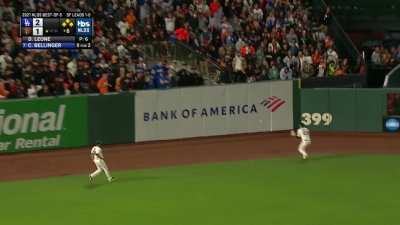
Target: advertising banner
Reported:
[(213, 110), (27, 125)]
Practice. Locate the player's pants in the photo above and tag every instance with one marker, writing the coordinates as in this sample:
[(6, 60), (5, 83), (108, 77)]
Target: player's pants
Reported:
[(101, 166), (302, 148)]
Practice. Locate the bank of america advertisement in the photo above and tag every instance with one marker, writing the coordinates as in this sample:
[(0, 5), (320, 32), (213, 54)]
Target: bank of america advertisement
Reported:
[(213, 110), (27, 125)]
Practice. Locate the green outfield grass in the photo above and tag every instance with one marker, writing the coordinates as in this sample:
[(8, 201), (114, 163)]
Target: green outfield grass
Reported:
[(326, 190)]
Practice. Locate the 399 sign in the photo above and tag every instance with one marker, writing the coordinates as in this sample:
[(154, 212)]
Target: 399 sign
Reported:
[(316, 119)]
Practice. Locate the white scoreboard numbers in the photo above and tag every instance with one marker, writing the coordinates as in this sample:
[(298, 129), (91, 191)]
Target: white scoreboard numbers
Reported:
[(316, 119), (37, 27)]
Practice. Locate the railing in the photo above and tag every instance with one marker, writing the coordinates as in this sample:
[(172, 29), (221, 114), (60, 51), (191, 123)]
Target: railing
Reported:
[(392, 79)]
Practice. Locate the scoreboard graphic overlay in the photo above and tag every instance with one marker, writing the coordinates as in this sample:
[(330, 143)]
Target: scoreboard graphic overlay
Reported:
[(56, 30)]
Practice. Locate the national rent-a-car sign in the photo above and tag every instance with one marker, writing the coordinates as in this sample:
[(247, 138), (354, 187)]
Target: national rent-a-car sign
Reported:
[(213, 110), (43, 124)]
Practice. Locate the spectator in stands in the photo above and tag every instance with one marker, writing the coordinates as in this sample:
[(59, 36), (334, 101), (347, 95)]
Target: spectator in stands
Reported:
[(170, 23), (306, 65), (182, 33), (239, 68), (5, 61), (331, 68), (332, 56), (386, 56), (32, 91), (3, 92), (321, 68), (345, 66), (76, 89), (376, 56), (273, 73), (286, 73), (148, 81), (45, 91), (339, 71), (102, 83), (327, 16), (83, 76), (119, 82), (67, 90), (160, 74)]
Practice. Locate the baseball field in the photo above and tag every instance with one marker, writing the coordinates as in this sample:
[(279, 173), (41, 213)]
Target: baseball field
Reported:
[(258, 179)]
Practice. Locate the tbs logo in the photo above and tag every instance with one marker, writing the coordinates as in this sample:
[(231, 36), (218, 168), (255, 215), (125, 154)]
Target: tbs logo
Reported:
[(84, 26), (83, 23)]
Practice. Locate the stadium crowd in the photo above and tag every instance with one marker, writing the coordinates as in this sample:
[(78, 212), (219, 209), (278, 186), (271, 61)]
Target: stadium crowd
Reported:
[(386, 56), (250, 39)]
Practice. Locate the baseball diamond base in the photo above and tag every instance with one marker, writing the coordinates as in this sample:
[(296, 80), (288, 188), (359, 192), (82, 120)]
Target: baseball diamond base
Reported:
[(190, 151)]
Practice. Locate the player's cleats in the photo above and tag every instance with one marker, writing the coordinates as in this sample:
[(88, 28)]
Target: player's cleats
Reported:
[(90, 179), (111, 179)]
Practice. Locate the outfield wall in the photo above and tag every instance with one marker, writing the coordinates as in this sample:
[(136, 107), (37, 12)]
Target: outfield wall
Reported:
[(77, 121), (359, 110)]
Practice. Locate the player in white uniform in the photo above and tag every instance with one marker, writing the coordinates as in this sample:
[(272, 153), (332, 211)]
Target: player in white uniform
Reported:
[(97, 156), (304, 134)]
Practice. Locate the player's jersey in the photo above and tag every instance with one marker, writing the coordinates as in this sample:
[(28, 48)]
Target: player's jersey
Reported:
[(304, 134), (96, 152)]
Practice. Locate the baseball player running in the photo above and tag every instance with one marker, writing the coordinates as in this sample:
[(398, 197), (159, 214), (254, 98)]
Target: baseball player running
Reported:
[(96, 155), (304, 134)]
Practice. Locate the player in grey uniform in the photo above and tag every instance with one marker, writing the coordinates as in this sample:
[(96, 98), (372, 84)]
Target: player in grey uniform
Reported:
[(98, 159), (304, 134)]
